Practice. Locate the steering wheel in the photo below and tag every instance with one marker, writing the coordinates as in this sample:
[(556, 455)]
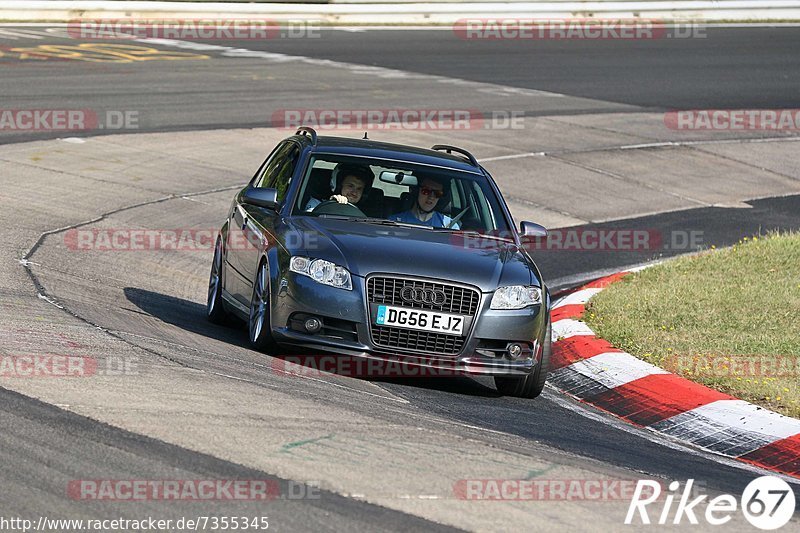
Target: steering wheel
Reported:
[(332, 207)]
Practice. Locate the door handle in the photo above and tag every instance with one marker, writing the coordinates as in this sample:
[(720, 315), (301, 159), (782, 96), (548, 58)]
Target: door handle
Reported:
[(244, 224)]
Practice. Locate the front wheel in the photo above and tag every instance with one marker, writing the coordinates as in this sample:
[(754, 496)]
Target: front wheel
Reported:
[(259, 322), (215, 309), (531, 385)]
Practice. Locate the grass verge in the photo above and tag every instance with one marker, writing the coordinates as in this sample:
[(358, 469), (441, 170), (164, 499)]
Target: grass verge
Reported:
[(729, 319)]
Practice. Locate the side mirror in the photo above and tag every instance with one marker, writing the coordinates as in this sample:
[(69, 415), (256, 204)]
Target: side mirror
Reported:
[(262, 197), (532, 229)]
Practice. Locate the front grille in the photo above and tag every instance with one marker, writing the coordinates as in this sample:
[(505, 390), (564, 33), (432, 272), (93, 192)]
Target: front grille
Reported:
[(409, 339), (460, 301)]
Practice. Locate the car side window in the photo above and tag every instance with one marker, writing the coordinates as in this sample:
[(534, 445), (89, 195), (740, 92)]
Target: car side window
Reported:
[(268, 167), (277, 173)]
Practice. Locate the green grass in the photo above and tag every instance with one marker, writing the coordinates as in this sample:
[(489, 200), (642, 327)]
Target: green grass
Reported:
[(727, 318)]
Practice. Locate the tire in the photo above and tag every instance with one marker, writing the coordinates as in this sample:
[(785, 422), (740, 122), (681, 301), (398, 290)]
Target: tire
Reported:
[(215, 307), (259, 324), (531, 385)]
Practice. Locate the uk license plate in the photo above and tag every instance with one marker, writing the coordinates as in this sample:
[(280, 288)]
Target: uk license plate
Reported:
[(419, 319)]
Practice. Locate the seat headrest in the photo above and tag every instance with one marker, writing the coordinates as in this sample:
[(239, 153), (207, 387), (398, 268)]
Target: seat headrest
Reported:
[(319, 183)]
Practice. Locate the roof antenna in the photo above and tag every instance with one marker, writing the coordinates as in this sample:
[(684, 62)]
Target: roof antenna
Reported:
[(365, 136)]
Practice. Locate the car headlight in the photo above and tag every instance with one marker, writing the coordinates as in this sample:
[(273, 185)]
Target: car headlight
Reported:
[(516, 297), (322, 271)]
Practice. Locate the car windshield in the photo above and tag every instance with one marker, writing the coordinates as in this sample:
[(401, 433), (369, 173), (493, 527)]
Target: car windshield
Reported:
[(375, 191)]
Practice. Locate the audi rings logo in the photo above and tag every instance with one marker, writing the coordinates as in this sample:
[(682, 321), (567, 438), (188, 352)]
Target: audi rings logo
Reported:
[(423, 296)]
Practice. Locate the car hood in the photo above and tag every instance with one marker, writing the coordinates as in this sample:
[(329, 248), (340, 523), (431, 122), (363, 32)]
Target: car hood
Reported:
[(365, 248)]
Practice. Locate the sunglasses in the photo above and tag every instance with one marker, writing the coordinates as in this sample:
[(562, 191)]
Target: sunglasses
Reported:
[(427, 191)]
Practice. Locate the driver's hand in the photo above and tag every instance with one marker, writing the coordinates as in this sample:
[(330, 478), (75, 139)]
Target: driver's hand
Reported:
[(339, 198)]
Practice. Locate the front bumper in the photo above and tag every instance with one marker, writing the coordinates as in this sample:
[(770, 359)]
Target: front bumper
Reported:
[(491, 328)]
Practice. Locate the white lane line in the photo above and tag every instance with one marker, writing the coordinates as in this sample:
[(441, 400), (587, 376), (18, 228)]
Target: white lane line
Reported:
[(49, 300), (34, 34), (640, 146), (365, 70), (194, 200), (663, 144), (23, 34), (6, 36), (512, 156), (58, 32)]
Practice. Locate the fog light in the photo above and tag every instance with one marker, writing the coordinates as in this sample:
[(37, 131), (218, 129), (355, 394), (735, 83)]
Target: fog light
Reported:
[(312, 325), (514, 350)]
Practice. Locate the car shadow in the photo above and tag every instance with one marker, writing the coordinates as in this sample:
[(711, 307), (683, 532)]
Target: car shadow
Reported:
[(185, 314), (462, 385), (389, 374), (191, 316)]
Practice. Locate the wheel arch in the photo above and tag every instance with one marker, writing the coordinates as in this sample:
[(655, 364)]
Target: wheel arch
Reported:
[(223, 237), (270, 256)]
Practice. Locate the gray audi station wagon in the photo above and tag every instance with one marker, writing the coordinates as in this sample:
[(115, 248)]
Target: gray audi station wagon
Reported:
[(362, 249)]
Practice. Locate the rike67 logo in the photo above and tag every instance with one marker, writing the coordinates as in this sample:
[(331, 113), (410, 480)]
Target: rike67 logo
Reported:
[(767, 503)]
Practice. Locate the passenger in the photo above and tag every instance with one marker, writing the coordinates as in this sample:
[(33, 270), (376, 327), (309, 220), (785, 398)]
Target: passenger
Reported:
[(349, 182), (427, 195)]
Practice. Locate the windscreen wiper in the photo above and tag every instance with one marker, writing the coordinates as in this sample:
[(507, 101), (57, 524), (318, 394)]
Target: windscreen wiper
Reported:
[(334, 217), (478, 233), (387, 222)]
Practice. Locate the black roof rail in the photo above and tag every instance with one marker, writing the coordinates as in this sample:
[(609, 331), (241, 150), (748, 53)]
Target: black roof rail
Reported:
[(450, 149), (303, 130)]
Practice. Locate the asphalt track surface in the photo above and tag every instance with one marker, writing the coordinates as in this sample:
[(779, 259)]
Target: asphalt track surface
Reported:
[(83, 444), (726, 68), (730, 68)]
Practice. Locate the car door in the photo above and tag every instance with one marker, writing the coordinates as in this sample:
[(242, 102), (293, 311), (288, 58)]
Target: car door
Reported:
[(236, 282), (258, 223)]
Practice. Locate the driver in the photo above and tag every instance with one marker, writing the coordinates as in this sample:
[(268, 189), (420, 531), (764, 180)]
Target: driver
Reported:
[(349, 181), (429, 194)]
